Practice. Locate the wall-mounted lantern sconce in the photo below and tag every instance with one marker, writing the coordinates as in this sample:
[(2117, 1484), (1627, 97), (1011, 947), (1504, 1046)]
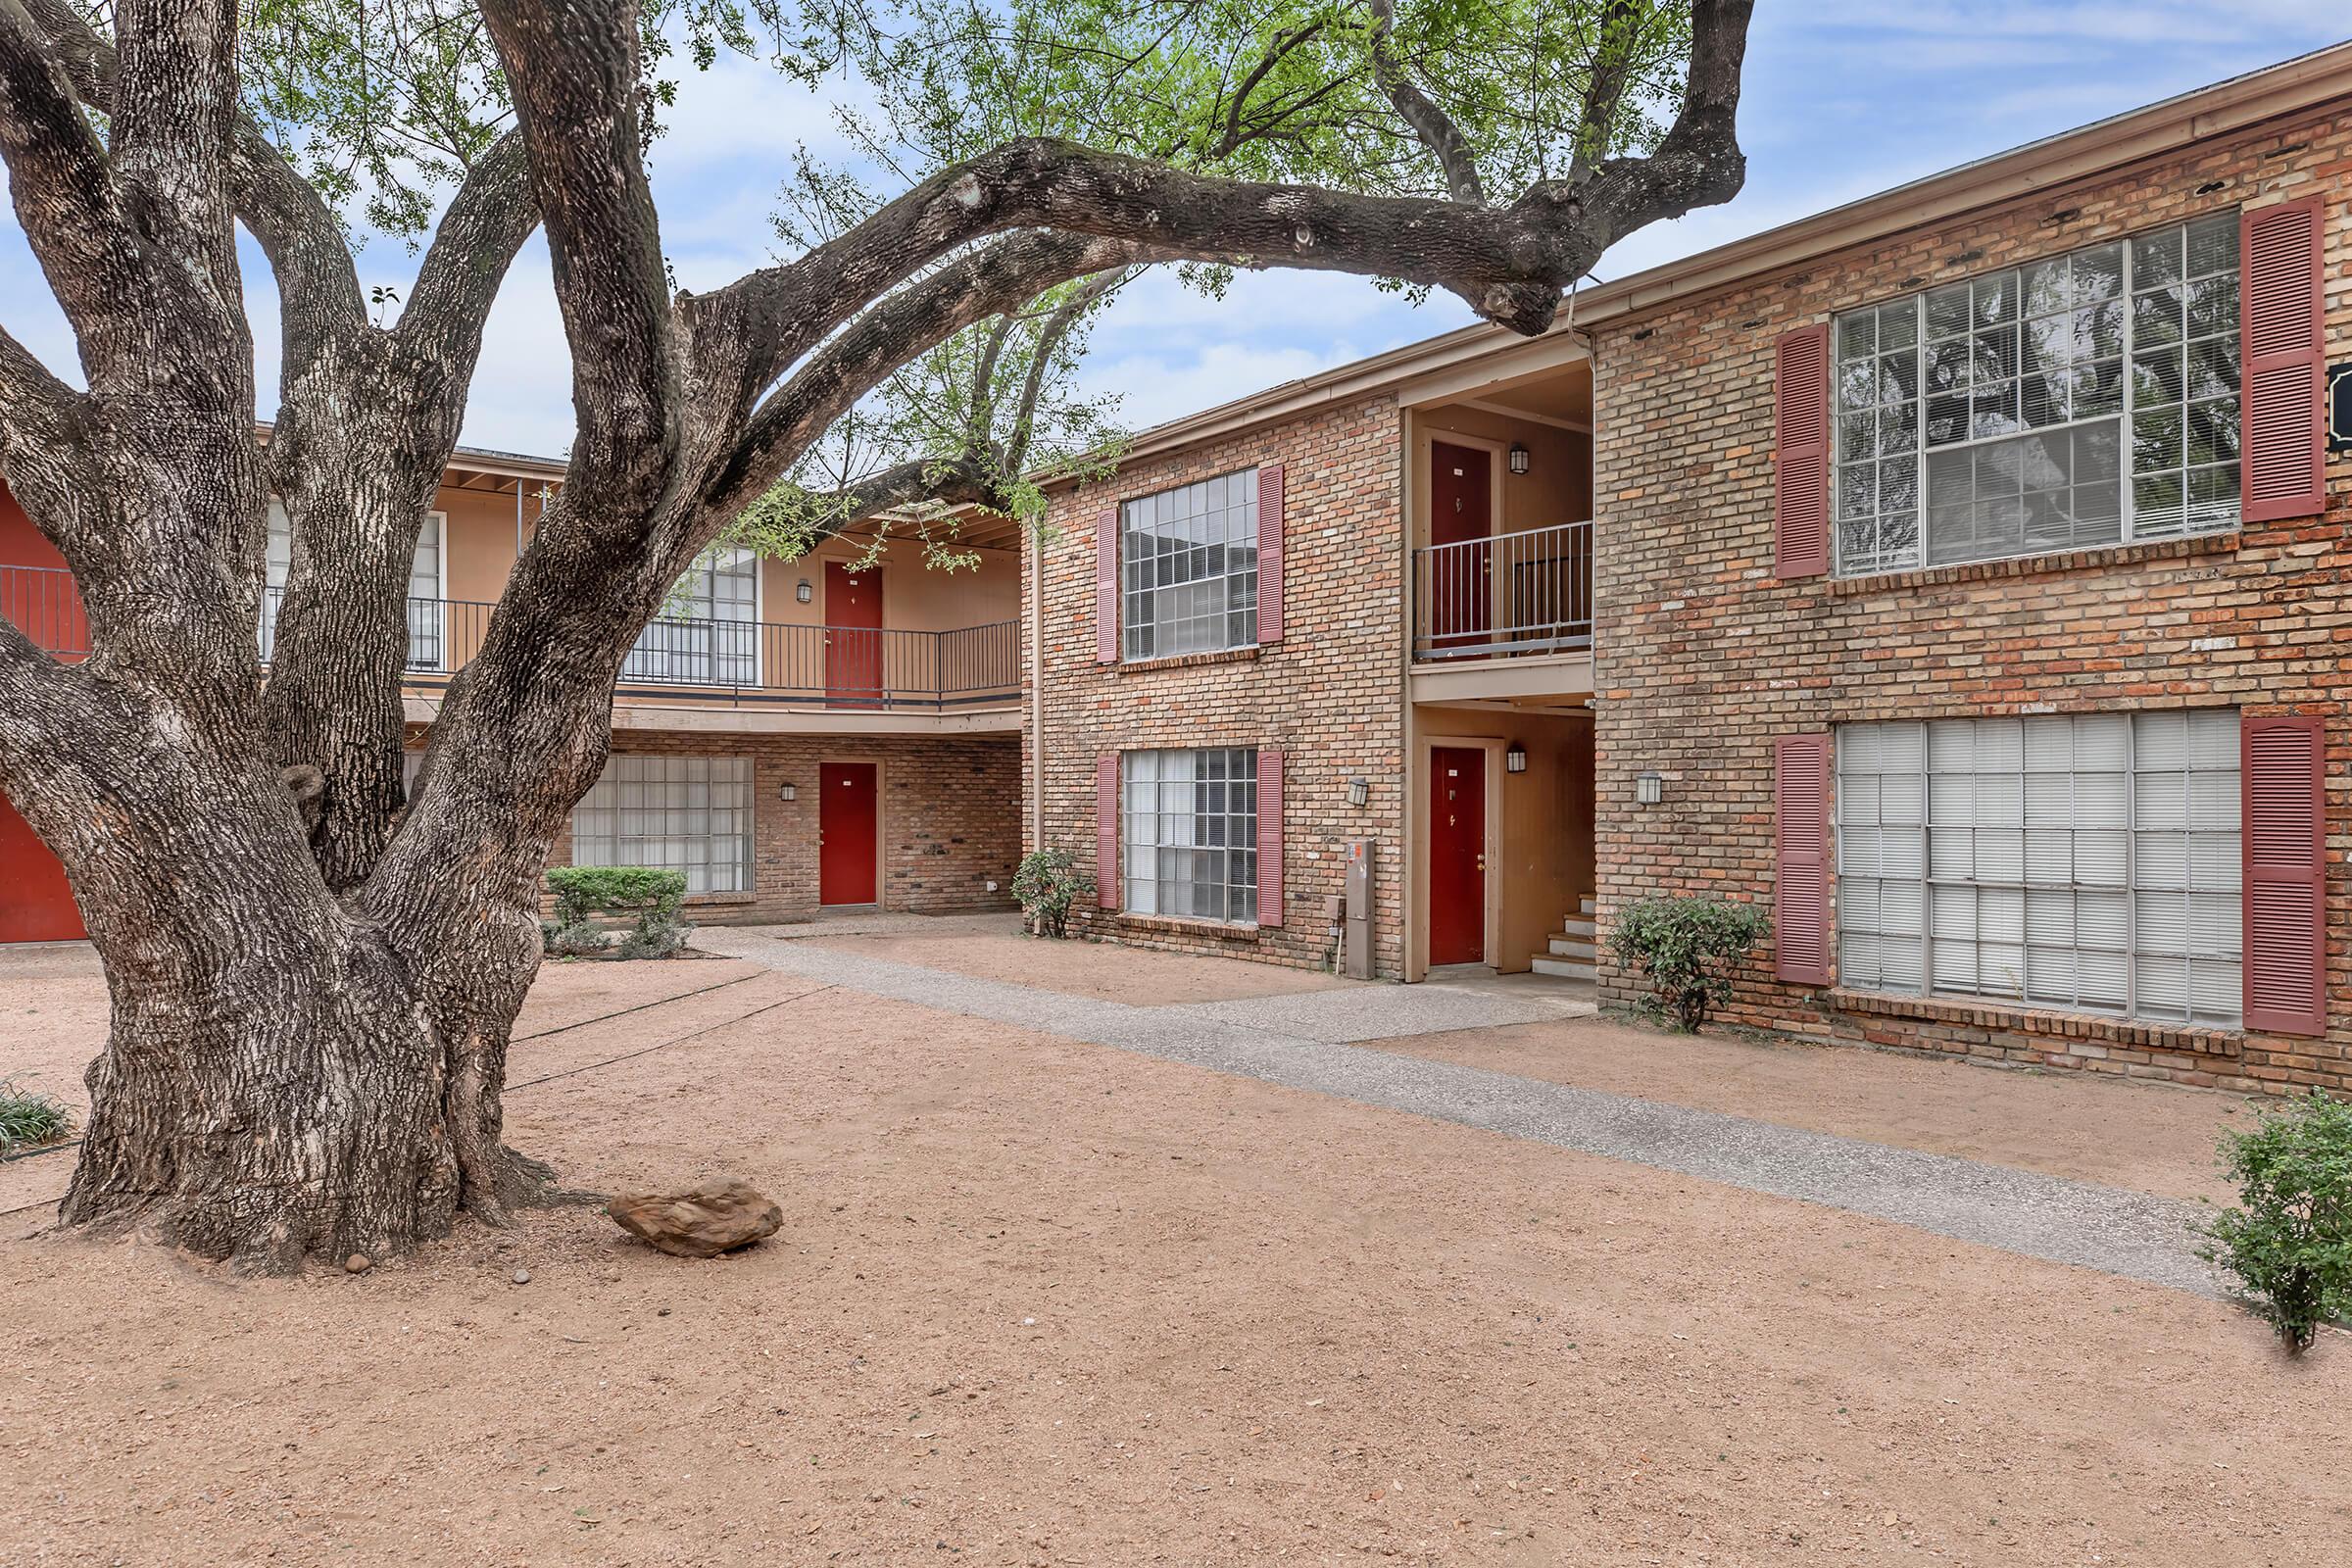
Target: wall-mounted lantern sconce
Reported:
[(804, 592), (789, 791), (1648, 787), (1520, 458), (1359, 792), (1515, 761)]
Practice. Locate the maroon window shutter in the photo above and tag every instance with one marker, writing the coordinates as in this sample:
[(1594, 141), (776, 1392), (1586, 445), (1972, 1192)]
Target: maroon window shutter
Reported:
[(1106, 830), (1801, 844), (1270, 521), (1270, 837), (1107, 588), (2283, 434), (2280, 763), (1800, 463)]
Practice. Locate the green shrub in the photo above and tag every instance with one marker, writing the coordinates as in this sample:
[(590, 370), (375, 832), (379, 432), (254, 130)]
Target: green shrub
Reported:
[(2290, 1240), (1687, 949), (1048, 883), (651, 894), (29, 1118)]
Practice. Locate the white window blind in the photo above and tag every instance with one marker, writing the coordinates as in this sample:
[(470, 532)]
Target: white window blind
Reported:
[(1189, 825), (683, 813), (2087, 863)]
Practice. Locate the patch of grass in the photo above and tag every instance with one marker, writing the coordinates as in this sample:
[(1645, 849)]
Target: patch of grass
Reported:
[(29, 1118)]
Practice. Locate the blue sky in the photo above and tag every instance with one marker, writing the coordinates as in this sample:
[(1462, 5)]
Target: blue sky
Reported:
[(1842, 98)]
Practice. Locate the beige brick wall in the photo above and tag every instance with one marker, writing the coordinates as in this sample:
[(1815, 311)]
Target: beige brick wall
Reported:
[(1329, 695), (951, 819), (1705, 658)]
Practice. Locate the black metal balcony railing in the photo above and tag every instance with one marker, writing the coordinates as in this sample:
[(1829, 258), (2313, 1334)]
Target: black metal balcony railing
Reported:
[(744, 662), (1512, 593)]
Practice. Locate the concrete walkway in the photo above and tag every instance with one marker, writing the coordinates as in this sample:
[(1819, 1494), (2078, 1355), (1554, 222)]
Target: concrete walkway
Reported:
[(1297, 1042)]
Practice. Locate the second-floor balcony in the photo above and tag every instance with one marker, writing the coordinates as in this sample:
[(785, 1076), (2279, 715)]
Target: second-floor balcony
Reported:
[(682, 659), (1507, 594)]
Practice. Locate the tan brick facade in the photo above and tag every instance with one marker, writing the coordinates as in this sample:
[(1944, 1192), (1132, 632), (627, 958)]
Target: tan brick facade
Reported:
[(1705, 658), (1329, 695), (951, 819)]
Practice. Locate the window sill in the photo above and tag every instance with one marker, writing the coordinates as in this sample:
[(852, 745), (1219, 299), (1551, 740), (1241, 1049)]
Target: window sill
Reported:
[(701, 900), (1178, 925), (1223, 655), (2204, 544), (2122, 1033)]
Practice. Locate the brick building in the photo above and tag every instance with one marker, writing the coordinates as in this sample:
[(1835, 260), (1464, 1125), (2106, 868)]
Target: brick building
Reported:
[(1955, 572), (834, 731)]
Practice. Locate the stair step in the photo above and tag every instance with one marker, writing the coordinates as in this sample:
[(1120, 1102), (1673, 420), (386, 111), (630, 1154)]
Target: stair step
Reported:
[(1561, 968), (1579, 926), (1588, 906), (1570, 948)]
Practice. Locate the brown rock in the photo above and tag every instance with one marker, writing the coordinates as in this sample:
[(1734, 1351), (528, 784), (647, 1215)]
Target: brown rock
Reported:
[(358, 1263), (719, 1216)]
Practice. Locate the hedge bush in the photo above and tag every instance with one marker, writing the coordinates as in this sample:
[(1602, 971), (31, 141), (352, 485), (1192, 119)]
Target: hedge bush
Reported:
[(650, 893), (1047, 885), (2289, 1240), (1687, 949)]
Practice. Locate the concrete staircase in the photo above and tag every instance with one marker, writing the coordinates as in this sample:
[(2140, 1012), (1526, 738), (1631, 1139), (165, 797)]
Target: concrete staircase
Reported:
[(1573, 950)]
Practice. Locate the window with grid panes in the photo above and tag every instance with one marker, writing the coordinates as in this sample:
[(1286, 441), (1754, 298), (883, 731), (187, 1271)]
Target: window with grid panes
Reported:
[(681, 814), (1188, 568), (1188, 834), (427, 613), (2082, 400), (2087, 863), (708, 630)]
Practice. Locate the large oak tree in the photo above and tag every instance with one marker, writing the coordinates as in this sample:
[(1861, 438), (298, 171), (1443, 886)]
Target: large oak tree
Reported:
[(313, 978)]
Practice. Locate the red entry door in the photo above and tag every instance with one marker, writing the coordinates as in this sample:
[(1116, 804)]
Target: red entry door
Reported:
[(853, 637), (847, 831), (1457, 854), (1461, 495)]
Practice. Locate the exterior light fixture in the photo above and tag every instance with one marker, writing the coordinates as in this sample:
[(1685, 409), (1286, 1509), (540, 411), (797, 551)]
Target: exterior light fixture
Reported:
[(804, 592), (790, 792), (1359, 792), (1515, 761), (1520, 458), (1648, 787)]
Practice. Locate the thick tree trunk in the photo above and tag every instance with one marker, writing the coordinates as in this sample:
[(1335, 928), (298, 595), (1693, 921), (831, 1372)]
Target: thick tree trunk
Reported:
[(288, 1076)]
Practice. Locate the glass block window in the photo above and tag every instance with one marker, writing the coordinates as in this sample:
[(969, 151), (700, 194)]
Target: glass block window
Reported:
[(683, 813), (2082, 400), (1188, 834), (1188, 568), (2087, 863), (427, 610), (708, 631)]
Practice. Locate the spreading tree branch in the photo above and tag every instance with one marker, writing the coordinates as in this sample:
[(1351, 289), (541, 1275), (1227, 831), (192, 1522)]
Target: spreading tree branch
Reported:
[(1435, 131)]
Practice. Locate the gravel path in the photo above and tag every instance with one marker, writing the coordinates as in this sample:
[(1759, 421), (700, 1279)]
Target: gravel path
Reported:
[(1297, 1042)]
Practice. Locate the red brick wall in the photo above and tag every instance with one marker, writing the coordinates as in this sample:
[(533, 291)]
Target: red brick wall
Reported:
[(1705, 658), (951, 819), (1329, 695)]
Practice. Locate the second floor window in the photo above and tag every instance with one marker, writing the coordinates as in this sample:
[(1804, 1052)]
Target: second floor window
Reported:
[(2082, 400), (427, 610), (1188, 568), (708, 631)]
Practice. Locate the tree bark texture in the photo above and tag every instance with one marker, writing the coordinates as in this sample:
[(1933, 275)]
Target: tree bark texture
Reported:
[(315, 975)]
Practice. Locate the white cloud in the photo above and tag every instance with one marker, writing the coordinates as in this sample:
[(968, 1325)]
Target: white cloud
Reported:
[(1156, 388)]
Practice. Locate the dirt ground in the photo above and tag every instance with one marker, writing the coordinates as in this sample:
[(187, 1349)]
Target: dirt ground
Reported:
[(998, 951), (1043, 1303)]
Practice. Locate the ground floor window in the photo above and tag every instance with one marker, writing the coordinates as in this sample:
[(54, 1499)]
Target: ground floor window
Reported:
[(686, 814), (1188, 834), (2086, 862)]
